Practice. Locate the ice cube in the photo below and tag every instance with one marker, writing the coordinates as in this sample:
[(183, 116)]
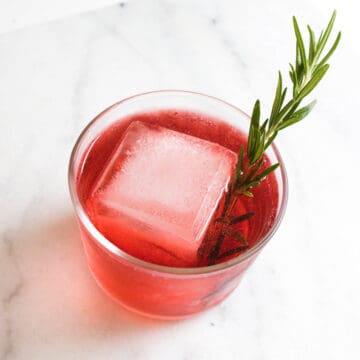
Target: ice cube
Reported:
[(159, 191)]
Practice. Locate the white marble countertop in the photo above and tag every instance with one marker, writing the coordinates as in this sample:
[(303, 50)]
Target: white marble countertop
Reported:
[(301, 299)]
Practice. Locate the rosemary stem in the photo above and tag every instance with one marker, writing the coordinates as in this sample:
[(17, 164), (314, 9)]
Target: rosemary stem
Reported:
[(305, 74)]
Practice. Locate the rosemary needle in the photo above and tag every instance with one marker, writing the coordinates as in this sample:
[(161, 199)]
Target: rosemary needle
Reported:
[(309, 68)]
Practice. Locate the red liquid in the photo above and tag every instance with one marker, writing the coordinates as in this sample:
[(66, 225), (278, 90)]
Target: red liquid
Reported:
[(171, 296), (264, 204)]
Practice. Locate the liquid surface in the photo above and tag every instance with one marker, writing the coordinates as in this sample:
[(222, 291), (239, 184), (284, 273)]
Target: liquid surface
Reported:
[(264, 203)]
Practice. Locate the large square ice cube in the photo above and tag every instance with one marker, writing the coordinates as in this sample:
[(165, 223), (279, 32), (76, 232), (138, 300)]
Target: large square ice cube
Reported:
[(159, 191)]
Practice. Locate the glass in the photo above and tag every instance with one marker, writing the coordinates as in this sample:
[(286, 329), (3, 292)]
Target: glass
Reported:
[(146, 288)]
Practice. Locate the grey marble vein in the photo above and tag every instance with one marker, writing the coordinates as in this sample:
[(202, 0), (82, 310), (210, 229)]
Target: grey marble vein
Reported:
[(56, 76), (8, 348), (10, 296), (13, 293), (115, 30)]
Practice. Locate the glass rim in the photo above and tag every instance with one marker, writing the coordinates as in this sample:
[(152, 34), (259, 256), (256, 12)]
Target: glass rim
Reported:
[(117, 252)]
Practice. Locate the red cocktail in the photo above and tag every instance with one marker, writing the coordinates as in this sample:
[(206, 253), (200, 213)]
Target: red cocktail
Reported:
[(116, 182)]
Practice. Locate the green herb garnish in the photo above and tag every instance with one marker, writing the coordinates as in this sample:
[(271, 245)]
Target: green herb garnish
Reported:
[(310, 67)]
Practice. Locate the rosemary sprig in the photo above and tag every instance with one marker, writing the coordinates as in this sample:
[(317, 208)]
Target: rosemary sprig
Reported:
[(309, 68)]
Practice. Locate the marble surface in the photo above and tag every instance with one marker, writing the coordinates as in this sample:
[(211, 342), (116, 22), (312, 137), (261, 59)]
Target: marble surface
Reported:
[(301, 298)]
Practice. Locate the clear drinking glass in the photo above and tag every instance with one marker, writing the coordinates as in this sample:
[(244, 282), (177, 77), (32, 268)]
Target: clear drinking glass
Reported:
[(146, 288)]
